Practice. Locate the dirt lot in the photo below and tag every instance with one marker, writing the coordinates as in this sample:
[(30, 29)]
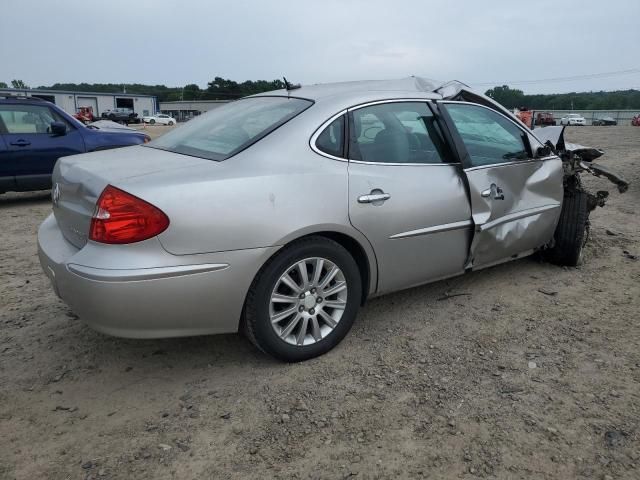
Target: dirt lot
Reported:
[(532, 372)]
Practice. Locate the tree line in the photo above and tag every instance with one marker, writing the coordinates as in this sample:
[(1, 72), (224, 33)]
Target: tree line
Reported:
[(224, 89), (217, 89), (617, 100)]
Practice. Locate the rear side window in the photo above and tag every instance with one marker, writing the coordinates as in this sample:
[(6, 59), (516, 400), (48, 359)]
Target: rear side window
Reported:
[(225, 131), (403, 132), (331, 140)]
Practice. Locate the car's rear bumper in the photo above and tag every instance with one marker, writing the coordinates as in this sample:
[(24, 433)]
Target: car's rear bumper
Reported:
[(162, 296)]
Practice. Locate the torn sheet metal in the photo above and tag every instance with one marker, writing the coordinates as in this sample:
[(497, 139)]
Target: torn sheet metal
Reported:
[(602, 171)]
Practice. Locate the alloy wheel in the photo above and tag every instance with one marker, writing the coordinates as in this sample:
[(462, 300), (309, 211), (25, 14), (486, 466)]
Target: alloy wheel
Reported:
[(308, 301)]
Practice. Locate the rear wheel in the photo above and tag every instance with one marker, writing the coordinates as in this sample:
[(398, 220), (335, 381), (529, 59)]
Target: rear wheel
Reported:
[(572, 230), (152, 121), (304, 300)]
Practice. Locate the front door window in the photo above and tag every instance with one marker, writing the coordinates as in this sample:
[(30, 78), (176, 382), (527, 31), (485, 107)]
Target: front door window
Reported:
[(28, 118), (489, 137)]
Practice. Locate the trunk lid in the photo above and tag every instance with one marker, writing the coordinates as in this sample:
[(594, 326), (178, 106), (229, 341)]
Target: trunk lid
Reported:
[(78, 181)]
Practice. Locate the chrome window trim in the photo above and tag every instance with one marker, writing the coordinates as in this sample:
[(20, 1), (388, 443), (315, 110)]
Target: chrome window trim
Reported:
[(391, 100), (390, 164), (319, 130), (507, 164)]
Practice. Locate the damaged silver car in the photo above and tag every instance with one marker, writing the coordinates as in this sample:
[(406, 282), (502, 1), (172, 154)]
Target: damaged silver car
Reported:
[(281, 213)]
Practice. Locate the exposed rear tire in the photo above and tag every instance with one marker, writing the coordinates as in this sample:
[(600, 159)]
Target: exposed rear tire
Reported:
[(318, 326), (571, 233)]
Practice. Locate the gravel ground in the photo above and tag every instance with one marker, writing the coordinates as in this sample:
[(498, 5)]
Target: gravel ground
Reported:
[(525, 370)]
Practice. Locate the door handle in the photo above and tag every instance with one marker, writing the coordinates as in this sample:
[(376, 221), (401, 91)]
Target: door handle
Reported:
[(20, 143), (374, 198), (494, 191)]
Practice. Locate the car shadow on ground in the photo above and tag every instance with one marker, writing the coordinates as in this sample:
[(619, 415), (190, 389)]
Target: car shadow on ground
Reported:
[(183, 353), (236, 350)]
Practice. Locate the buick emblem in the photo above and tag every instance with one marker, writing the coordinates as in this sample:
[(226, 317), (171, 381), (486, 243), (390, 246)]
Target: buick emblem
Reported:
[(55, 194)]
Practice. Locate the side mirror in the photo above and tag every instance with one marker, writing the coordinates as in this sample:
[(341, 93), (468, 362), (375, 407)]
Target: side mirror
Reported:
[(58, 128), (543, 151)]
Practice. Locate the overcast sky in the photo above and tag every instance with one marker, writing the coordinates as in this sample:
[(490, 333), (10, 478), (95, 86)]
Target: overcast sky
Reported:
[(175, 42)]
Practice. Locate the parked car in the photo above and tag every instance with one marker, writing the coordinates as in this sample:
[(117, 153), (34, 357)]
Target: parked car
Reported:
[(35, 133), (280, 214), (160, 118), (544, 119), (635, 121), (573, 119), (121, 115), (603, 121)]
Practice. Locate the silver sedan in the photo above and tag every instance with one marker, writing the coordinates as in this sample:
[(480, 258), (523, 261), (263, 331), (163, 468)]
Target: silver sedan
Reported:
[(279, 214)]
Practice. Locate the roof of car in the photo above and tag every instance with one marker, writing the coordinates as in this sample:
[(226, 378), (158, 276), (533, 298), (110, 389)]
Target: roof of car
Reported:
[(409, 86), (20, 98)]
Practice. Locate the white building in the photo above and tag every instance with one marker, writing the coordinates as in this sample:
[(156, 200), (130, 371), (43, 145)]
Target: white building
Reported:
[(99, 102), (184, 110)]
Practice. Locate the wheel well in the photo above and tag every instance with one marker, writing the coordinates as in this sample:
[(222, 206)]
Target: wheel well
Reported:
[(351, 245), (358, 254)]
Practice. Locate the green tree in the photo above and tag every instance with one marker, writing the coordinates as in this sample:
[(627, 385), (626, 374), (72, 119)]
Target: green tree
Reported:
[(507, 97), (223, 89), (618, 100), (18, 84), (191, 92), (3, 85)]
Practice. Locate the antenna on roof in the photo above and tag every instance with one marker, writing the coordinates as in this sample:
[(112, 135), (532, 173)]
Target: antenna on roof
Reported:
[(290, 86)]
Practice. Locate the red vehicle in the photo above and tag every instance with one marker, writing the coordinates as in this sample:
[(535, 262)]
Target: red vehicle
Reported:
[(635, 121), (525, 116), (85, 115), (545, 118)]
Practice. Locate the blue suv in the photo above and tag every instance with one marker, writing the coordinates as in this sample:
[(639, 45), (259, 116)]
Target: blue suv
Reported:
[(34, 133)]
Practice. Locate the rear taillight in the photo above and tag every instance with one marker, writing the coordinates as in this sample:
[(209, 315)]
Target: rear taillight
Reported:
[(120, 217)]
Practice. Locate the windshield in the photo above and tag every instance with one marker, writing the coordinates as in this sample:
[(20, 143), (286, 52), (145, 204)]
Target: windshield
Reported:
[(225, 131)]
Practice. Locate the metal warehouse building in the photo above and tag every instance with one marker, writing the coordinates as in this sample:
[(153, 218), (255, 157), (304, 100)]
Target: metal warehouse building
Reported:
[(99, 102)]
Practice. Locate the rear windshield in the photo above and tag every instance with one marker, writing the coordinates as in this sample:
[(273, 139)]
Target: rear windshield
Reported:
[(225, 131)]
